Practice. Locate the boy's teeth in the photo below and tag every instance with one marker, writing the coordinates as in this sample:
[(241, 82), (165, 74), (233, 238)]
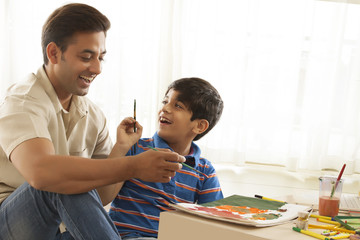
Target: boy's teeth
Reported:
[(164, 120)]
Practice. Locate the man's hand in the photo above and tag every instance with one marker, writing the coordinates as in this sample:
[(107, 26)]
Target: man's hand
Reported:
[(157, 166)]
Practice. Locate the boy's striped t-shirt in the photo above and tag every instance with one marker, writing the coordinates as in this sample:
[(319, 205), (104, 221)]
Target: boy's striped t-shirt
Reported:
[(136, 209)]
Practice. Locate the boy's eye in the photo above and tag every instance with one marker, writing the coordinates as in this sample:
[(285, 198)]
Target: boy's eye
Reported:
[(178, 106)]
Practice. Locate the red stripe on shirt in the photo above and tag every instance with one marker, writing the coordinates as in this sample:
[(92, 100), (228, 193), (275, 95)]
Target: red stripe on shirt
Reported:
[(135, 227)]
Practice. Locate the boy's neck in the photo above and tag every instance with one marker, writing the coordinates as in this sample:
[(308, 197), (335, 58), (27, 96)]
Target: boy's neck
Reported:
[(181, 148)]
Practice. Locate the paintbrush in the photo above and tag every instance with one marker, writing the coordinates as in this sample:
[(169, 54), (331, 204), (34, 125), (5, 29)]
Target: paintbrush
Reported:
[(184, 164), (135, 115), (135, 124), (337, 181)]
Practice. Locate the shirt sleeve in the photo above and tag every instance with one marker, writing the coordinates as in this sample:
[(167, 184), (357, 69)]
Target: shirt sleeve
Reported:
[(21, 120)]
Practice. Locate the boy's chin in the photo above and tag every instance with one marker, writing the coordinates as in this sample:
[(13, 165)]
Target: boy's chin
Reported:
[(163, 135)]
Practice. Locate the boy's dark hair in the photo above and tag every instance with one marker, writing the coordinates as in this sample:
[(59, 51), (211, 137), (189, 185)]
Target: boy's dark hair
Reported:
[(201, 98), (69, 19)]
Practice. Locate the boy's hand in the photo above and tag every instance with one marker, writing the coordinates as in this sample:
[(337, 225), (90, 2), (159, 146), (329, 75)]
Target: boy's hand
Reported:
[(126, 137), (157, 166)]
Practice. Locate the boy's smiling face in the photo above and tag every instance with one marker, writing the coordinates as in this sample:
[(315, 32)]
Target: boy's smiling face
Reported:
[(175, 126)]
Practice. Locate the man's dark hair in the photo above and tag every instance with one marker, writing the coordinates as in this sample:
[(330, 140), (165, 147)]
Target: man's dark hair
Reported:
[(69, 19), (201, 98)]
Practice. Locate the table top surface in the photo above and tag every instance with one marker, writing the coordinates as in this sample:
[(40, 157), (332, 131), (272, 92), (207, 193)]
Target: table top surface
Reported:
[(203, 228)]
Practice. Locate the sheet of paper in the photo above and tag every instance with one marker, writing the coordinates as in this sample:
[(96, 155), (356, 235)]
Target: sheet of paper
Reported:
[(245, 210)]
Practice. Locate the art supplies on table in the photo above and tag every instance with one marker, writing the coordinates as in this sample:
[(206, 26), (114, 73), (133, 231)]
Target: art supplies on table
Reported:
[(349, 222), (302, 221), (266, 198), (245, 210), (330, 190), (334, 228), (337, 180), (310, 233)]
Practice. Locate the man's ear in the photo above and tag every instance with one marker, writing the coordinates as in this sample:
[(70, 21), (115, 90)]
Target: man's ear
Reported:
[(201, 126), (53, 52)]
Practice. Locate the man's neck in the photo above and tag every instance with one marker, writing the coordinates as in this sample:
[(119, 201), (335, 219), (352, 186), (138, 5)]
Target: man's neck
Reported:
[(65, 100), (66, 103)]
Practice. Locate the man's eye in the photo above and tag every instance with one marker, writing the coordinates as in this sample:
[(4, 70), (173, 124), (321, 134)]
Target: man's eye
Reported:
[(101, 59), (164, 102), (178, 106), (86, 59)]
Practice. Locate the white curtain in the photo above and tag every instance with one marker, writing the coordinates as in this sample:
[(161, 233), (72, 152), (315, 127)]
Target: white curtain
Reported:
[(288, 71)]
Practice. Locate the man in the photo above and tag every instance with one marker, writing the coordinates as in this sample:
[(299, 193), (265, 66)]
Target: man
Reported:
[(55, 146)]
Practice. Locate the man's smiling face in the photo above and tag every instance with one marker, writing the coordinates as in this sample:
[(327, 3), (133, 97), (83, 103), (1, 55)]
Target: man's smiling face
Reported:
[(79, 64)]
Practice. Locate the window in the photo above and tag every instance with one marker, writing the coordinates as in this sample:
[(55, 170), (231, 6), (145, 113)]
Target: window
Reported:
[(288, 71)]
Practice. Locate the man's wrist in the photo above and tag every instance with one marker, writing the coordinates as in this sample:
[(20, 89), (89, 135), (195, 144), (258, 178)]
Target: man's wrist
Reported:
[(119, 150)]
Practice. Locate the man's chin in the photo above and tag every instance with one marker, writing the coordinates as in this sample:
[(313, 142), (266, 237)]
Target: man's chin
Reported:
[(82, 92)]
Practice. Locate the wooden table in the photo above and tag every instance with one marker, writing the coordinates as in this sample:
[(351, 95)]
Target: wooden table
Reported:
[(178, 225)]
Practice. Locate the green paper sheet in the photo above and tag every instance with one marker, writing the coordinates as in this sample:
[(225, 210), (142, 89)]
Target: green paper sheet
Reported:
[(237, 200)]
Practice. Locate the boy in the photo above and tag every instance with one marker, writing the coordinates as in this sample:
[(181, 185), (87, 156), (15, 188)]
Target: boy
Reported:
[(191, 108)]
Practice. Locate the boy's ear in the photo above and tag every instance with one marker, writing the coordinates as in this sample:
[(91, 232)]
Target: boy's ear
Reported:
[(202, 126), (53, 52)]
